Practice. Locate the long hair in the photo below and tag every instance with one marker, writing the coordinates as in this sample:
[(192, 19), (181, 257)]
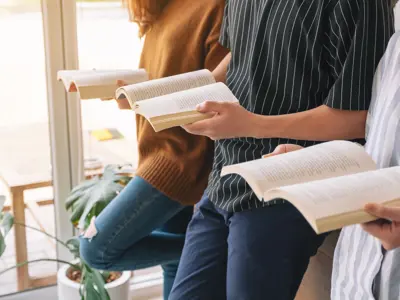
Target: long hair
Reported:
[(144, 12)]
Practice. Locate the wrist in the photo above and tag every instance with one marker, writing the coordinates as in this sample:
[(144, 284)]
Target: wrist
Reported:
[(264, 127), (218, 76), (259, 127)]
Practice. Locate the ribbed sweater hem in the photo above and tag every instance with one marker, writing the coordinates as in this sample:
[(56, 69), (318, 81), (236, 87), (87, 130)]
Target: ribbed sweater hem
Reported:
[(163, 174)]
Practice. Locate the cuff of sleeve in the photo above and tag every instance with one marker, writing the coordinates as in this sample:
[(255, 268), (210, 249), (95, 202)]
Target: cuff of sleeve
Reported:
[(344, 98)]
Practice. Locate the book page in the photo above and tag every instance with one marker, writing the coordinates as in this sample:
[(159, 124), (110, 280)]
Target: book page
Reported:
[(184, 101), (70, 74), (101, 77), (322, 161), (341, 195), (165, 86)]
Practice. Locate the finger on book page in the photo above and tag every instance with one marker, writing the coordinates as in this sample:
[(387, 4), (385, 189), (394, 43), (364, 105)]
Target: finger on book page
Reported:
[(211, 106), (73, 88), (121, 83), (281, 149), (384, 212)]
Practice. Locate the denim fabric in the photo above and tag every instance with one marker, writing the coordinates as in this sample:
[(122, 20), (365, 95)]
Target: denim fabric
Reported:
[(252, 255), (140, 228)]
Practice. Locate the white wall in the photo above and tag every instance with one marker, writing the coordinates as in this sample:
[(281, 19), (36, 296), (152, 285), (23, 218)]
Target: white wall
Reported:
[(397, 16)]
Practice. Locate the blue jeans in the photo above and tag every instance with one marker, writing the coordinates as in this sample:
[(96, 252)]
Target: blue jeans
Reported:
[(259, 254), (140, 228)]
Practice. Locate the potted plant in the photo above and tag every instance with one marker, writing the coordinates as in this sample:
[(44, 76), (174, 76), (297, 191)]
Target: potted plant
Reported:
[(86, 201), (90, 197), (76, 280)]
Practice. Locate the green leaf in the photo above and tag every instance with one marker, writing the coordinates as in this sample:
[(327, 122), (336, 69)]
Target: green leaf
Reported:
[(81, 291), (7, 222), (2, 244), (79, 207), (78, 190), (102, 194), (105, 275), (73, 245), (90, 197), (93, 285), (89, 289), (100, 285)]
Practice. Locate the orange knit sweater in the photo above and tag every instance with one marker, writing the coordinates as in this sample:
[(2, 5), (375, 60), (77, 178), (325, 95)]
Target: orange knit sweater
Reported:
[(183, 39)]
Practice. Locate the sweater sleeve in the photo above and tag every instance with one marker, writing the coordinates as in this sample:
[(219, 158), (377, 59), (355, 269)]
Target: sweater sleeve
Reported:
[(215, 52)]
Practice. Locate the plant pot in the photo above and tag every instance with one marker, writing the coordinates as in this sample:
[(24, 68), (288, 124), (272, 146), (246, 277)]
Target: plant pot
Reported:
[(69, 290)]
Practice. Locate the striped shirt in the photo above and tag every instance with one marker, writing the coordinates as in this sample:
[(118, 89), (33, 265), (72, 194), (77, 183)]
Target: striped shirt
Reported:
[(362, 270), (293, 56)]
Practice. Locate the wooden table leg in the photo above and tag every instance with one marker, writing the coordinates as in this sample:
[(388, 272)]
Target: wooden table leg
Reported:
[(21, 251)]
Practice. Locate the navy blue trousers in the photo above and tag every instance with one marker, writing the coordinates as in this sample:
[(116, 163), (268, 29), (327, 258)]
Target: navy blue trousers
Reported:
[(257, 254)]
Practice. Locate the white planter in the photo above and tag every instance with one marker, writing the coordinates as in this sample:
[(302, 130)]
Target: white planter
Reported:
[(69, 290)]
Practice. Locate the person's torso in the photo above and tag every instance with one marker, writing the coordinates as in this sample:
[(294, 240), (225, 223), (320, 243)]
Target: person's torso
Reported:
[(176, 44), (277, 67), (358, 255)]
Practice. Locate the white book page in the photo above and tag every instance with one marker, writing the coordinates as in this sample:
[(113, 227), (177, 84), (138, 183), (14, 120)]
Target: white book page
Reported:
[(322, 161), (344, 194), (184, 101), (70, 74), (165, 86), (101, 77)]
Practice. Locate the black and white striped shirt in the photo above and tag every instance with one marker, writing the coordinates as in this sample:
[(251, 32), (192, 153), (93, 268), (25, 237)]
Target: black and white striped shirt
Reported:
[(290, 56)]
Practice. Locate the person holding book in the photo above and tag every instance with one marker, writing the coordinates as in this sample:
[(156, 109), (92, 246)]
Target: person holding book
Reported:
[(145, 224), (367, 257), (302, 71)]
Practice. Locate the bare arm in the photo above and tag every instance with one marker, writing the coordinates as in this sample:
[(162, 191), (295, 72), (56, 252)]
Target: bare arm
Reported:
[(319, 124), (221, 70), (342, 114)]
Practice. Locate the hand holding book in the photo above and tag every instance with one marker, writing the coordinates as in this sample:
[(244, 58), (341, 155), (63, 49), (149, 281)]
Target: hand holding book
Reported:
[(329, 183), (387, 227), (92, 84), (166, 102), (230, 120), (172, 101)]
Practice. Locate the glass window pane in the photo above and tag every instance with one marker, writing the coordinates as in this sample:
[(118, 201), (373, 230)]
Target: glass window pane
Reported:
[(25, 148), (107, 40)]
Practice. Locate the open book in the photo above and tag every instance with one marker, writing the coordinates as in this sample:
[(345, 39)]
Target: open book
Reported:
[(328, 183), (92, 84), (172, 101)]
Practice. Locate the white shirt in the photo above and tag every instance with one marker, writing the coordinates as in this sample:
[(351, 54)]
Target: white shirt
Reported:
[(362, 270)]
